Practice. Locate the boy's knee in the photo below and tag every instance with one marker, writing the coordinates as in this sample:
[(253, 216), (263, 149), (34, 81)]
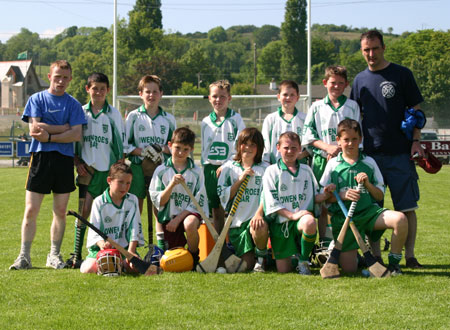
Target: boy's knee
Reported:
[(401, 222), (191, 223), (308, 224)]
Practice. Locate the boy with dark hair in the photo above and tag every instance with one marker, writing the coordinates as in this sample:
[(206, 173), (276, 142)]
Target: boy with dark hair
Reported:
[(343, 173), (320, 128), (116, 212), (148, 130), (219, 134), (55, 120), (286, 119), (101, 146), (289, 189), (176, 213)]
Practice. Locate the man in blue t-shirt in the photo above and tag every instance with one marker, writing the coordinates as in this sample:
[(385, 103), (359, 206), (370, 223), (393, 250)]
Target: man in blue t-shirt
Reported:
[(384, 91), (55, 120)]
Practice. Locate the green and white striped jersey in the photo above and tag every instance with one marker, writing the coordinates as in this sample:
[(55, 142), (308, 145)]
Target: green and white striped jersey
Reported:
[(342, 174), (121, 223), (103, 137), (323, 118), (219, 140), (142, 130), (179, 199), (286, 190), (249, 203), (273, 126)]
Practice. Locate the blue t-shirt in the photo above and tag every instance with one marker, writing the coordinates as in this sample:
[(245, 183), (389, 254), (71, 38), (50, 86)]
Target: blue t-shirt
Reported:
[(383, 97), (54, 110)]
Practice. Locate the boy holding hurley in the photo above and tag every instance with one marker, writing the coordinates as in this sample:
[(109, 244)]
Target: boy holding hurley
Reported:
[(289, 189), (176, 214), (55, 120), (101, 146)]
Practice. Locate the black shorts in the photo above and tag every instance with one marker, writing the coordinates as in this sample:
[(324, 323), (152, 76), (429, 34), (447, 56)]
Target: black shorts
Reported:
[(50, 172)]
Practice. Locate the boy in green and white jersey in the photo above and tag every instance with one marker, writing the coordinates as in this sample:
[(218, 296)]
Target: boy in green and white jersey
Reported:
[(289, 193), (148, 124), (286, 119), (247, 232), (319, 132), (219, 132), (343, 173), (100, 147), (116, 213), (176, 213)]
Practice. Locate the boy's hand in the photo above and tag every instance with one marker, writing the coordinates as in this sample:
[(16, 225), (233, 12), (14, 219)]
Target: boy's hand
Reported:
[(104, 245), (218, 171), (257, 222), (177, 179), (173, 224), (333, 150), (81, 169), (248, 171), (350, 195), (297, 215), (361, 177), (39, 134), (329, 189)]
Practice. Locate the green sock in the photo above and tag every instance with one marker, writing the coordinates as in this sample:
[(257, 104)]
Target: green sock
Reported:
[(79, 239), (307, 244), (394, 258), (260, 253)]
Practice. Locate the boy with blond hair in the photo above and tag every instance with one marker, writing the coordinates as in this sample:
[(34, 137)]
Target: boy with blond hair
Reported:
[(320, 128), (176, 213), (148, 127), (55, 119), (286, 119), (219, 132), (101, 146)]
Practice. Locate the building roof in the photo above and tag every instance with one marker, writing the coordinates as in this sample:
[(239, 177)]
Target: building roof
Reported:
[(19, 67)]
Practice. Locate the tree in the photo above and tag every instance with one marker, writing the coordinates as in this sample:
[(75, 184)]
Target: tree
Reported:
[(217, 35), (269, 62), (266, 34), (145, 26), (293, 36), (23, 41)]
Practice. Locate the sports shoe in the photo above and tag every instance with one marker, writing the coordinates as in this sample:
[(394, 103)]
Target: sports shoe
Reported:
[(55, 261), (413, 263), (21, 263), (303, 268), (70, 262), (259, 268), (395, 270)]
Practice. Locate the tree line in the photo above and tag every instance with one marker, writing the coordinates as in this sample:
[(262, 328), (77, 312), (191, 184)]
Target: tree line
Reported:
[(189, 62)]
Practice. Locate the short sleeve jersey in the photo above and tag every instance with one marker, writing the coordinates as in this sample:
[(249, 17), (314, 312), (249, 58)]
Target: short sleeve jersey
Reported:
[(121, 223), (102, 141), (53, 110), (342, 174), (179, 199), (249, 203), (383, 97), (323, 118), (283, 189), (273, 126), (141, 130), (219, 139)]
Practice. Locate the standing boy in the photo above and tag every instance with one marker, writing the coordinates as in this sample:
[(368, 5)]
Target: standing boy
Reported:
[(101, 146), (343, 173), (289, 189), (219, 134), (321, 127), (55, 120), (148, 127), (176, 214), (115, 212), (286, 119)]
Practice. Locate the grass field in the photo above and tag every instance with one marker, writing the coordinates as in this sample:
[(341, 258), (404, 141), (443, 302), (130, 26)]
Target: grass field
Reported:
[(43, 298)]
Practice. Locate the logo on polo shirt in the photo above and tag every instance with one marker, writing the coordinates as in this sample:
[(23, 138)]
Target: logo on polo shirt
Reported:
[(387, 89)]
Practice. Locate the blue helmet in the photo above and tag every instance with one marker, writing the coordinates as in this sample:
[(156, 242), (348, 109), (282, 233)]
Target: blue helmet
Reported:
[(154, 254)]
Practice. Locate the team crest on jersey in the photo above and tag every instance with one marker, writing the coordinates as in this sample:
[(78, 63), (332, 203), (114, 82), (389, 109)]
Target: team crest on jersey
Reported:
[(258, 179), (108, 219), (218, 151), (230, 137), (163, 130), (190, 185), (126, 214), (105, 128), (387, 89), (141, 128), (219, 190), (283, 187)]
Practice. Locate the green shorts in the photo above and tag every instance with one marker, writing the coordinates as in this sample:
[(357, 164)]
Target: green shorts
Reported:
[(211, 185), (364, 221), (241, 239), (138, 183), (98, 183), (284, 238), (318, 166)]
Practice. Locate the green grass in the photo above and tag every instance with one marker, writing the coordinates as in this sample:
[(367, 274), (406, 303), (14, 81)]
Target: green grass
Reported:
[(47, 299)]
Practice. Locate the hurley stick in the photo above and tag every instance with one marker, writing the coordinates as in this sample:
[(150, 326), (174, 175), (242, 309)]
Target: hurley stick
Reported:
[(142, 266)]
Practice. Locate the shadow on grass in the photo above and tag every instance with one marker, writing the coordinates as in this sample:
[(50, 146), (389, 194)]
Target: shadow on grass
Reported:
[(439, 270)]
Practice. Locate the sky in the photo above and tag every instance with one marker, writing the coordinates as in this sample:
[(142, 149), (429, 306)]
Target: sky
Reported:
[(51, 17)]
